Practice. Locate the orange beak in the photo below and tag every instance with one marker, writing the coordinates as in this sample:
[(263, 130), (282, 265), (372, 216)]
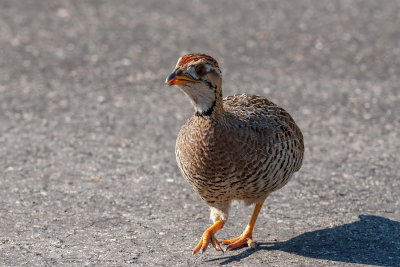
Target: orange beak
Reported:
[(174, 79)]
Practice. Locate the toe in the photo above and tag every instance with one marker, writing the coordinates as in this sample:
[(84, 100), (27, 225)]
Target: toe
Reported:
[(203, 244), (230, 241), (216, 244), (239, 242), (207, 237)]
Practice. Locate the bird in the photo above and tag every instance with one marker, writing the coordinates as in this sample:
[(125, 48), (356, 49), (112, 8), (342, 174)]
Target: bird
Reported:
[(242, 147)]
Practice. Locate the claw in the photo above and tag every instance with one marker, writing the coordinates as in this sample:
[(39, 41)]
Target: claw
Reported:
[(244, 239), (216, 244), (207, 237)]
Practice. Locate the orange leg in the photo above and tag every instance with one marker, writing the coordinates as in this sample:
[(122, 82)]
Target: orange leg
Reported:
[(208, 236), (246, 236)]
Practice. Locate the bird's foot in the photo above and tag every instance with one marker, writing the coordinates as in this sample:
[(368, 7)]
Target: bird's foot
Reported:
[(205, 240), (243, 239), (208, 237)]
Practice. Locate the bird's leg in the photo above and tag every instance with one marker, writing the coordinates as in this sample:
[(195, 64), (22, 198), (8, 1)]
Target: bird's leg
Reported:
[(246, 236), (208, 236)]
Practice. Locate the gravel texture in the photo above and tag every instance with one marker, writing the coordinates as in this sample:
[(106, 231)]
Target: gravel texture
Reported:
[(88, 129)]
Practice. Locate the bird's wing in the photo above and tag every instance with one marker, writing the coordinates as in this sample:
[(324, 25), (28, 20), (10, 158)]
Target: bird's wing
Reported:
[(260, 125)]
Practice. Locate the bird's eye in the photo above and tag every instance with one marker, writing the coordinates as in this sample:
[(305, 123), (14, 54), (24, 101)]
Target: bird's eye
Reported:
[(200, 70)]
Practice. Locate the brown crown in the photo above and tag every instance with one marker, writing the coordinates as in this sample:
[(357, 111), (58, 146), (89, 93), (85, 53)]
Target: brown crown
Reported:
[(196, 57)]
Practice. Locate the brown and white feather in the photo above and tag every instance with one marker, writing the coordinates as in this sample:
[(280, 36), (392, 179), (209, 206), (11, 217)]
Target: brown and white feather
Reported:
[(248, 152)]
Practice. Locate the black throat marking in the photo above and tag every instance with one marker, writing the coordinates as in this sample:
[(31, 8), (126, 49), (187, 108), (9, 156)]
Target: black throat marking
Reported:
[(207, 112)]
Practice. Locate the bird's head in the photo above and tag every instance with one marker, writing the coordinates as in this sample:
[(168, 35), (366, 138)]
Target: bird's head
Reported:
[(199, 77)]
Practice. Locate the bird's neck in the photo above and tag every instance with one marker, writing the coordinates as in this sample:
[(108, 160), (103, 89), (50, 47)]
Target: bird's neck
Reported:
[(213, 109)]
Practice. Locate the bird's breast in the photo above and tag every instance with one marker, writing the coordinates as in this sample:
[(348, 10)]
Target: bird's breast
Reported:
[(199, 151), (239, 157)]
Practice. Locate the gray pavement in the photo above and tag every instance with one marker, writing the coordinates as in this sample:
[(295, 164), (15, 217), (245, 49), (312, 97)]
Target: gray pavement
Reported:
[(87, 130)]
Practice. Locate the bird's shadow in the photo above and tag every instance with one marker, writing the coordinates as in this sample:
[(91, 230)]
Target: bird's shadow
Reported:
[(371, 240)]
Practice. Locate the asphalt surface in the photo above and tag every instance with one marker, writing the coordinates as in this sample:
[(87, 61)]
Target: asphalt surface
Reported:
[(88, 129)]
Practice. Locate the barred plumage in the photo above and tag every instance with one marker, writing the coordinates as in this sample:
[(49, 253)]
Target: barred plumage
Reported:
[(242, 147)]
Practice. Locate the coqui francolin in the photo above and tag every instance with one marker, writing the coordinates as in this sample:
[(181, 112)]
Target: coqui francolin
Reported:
[(242, 147)]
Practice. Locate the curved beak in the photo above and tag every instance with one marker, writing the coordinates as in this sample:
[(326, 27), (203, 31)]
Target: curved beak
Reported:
[(177, 78)]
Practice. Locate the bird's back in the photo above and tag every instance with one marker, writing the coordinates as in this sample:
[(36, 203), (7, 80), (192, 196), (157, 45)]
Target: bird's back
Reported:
[(247, 152)]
